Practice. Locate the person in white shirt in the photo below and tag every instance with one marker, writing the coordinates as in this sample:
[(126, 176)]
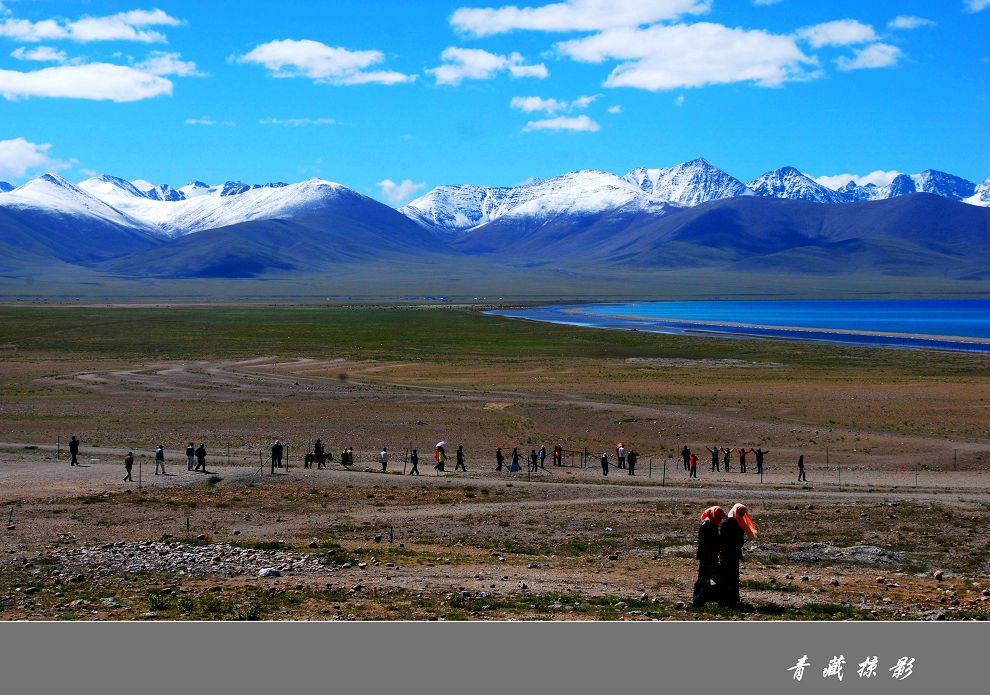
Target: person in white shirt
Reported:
[(383, 458)]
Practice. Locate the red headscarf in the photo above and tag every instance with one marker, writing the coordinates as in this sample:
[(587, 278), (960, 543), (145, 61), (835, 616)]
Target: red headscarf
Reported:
[(716, 515), (740, 513)]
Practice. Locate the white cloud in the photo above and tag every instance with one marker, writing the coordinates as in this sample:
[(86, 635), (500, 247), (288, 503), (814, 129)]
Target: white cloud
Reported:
[(877, 178), (550, 106), (615, 109), (573, 123), (692, 55), (905, 21), (124, 26), (96, 81), (877, 55), (41, 54), (322, 63), (202, 120), (679, 101), (19, 156), (162, 63), (573, 15), (296, 122), (395, 193), (977, 5), (461, 64), (841, 32)]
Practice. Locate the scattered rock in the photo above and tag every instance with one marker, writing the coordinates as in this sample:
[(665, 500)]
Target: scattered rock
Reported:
[(881, 580), (939, 575), (857, 554), (834, 582), (269, 572)]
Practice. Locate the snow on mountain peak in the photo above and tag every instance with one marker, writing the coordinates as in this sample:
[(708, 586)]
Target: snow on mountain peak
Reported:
[(690, 183), (788, 182), (462, 207), (52, 193)]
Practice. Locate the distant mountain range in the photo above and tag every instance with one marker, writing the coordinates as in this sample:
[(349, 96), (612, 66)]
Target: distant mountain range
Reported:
[(691, 215)]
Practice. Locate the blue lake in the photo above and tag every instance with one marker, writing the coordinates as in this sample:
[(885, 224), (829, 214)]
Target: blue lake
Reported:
[(930, 323)]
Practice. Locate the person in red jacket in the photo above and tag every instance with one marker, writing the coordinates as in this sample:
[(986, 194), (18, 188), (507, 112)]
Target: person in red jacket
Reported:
[(694, 466), (742, 458)]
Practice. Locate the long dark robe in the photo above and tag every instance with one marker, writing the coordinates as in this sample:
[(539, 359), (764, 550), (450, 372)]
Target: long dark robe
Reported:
[(730, 545), (708, 570)]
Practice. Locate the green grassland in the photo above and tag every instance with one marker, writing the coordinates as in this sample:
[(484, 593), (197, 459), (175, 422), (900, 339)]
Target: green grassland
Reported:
[(448, 334)]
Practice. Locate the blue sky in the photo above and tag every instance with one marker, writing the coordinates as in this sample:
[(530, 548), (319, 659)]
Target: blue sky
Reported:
[(394, 97)]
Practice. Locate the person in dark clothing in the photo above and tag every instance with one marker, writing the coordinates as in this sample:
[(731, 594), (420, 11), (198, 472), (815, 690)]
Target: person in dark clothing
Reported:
[(693, 466), (558, 455), (631, 459), (714, 450), (760, 453), (190, 456), (201, 458), (534, 461), (74, 451), (160, 459), (732, 533), (742, 458), (801, 476), (459, 466), (383, 459), (277, 450), (319, 454), (706, 587), (414, 460), (499, 458), (543, 456), (726, 457), (128, 465), (604, 464), (515, 467), (686, 456)]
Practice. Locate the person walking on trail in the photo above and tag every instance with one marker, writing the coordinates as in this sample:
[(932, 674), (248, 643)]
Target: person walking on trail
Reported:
[(742, 458), (726, 457), (201, 458), (128, 465), (632, 458), (558, 455), (759, 453), (74, 451), (190, 456), (383, 459), (534, 461), (605, 464), (160, 459), (499, 458), (319, 454), (732, 533), (441, 456), (459, 455), (706, 587), (543, 456), (714, 451), (693, 467), (620, 455), (686, 457), (515, 467), (414, 460), (277, 450), (802, 478)]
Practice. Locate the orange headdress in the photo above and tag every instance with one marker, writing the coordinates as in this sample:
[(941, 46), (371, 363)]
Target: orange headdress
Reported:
[(716, 515), (740, 513)]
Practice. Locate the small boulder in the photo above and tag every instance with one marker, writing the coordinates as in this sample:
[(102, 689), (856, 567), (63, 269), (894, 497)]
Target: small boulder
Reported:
[(269, 572)]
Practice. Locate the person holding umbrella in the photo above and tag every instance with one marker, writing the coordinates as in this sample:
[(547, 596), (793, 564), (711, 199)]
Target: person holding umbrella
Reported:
[(440, 455)]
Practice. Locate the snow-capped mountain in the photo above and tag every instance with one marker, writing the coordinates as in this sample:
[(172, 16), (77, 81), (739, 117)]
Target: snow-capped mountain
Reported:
[(173, 213), (689, 184), (463, 207), (981, 195), (53, 194), (4, 187), (790, 183), (929, 181)]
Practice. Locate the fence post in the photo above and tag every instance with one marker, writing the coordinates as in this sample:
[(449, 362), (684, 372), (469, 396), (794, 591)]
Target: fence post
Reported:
[(58, 448), (262, 462), (955, 459), (585, 457), (826, 458), (651, 466), (663, 483)]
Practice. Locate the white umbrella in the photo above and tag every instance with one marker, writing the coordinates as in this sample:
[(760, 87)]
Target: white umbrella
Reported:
[(440, 444)]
